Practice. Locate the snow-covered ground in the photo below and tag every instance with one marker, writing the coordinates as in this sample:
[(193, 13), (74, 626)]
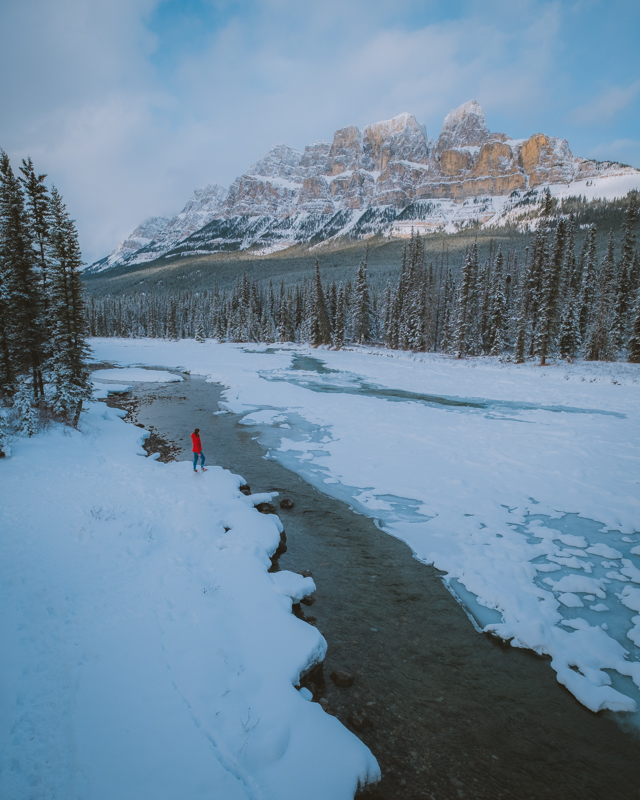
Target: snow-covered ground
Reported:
[(521, 483), (145, 651)]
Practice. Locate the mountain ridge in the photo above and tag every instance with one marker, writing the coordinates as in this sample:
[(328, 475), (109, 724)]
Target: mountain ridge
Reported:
[(379, 180)]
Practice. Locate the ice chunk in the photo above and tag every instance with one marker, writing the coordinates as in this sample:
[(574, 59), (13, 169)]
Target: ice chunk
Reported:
[(599, 607), (634, 633), (578, 583), (616, 576), (571, 563), (630, 597), (630, 570), (600, 549), (573, 541), (571, 600)]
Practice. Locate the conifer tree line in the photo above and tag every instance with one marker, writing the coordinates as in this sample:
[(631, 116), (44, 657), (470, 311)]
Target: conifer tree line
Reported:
[(559, 300), (308, 312), (43, 327)]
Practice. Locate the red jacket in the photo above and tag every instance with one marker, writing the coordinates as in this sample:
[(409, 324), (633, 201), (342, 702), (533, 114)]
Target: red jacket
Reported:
[(197, 444)]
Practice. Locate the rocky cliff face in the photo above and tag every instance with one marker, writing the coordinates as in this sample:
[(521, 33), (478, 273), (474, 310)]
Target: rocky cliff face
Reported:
[(205, 205), (393, 163), (389, 165)]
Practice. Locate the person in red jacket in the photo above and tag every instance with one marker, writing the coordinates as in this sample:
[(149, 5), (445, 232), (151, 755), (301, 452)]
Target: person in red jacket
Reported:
[(197, 451)]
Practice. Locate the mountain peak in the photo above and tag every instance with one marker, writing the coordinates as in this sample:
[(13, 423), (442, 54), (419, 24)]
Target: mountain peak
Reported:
[(464, 126), (458, 115), (401, 138), (280, 162)]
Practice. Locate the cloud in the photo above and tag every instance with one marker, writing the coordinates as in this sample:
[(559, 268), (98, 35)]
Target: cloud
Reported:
[(602, 108)]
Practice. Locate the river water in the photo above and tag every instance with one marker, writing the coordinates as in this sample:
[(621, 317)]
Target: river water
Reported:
[(448, 713)]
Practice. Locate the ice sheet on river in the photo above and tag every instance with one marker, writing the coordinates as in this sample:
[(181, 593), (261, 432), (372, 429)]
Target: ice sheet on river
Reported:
[(520, 483)]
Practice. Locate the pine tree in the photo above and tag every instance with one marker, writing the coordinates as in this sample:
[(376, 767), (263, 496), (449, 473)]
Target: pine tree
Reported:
[(628, 252), (551, 283), (465, 303), (498, 313), (37, 209), (569, 338), (633, 354), (521, 321), (588, 285), (361, 314), (23, 330), (68, 327), (5, 447), (548, 203), (172, 325), (200, 337), (320, 329), (625, 290), (341, 316), (26, 418), (597, 345)]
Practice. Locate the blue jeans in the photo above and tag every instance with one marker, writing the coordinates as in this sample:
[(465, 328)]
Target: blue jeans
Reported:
[(195, 459)]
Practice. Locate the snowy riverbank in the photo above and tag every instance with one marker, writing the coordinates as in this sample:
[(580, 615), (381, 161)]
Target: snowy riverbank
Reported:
[(520, 482), (146, 651)]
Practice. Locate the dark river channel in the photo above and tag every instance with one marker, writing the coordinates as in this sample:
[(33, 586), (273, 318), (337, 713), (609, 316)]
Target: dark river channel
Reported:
[(448, 712)]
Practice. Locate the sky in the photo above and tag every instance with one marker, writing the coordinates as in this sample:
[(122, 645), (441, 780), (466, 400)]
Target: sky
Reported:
[(128, 105)]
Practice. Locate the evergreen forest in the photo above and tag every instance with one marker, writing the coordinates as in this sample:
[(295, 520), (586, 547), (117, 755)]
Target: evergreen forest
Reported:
[(572, 292), (43, 321)]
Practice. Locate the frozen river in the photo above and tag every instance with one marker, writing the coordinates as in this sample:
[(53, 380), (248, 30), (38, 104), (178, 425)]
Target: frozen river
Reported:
[(520, 485), (447, 710)]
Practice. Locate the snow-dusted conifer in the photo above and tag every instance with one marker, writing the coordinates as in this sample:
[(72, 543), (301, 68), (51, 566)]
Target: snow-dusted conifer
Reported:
[(521, 322), (341, 318), (569, 337), (498, 311), (625, 290), (319, 327), (22, 331), (548, 203), (597, 346), (551, 283), (37, 209), (588, 284), (67, 317), (633, 347), (172, 323), (25, 414), (361, 312), (464, 310), (5, 447)]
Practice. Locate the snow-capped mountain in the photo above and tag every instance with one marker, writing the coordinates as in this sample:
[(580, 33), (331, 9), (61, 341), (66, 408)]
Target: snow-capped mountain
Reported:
[(143, 235), (384, 179)]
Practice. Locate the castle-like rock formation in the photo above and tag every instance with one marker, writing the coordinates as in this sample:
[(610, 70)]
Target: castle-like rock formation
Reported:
[(388, 165), (393, 163)]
